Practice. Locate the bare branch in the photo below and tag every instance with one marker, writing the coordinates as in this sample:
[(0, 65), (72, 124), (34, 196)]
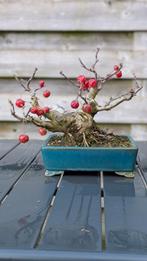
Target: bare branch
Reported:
[(26, 85), (26, 115), (137, 84), (20, 82), (81, 96), (113, 102), (68, 79), (76, 85), (92, 70), (53, 126), (84, 66), (30, 79), (96, 58)]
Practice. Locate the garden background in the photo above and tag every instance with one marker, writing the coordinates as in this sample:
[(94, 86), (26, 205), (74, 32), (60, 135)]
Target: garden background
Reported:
[(52, 34)]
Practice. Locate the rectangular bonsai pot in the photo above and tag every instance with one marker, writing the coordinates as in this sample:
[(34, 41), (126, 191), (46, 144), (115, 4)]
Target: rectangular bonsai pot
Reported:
[(58, 158)]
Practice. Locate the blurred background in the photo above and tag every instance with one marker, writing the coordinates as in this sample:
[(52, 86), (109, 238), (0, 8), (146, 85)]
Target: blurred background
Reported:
[(52, 34)]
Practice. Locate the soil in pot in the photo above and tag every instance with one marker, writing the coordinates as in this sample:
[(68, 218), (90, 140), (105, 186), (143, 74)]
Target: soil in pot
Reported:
[(96, 137)]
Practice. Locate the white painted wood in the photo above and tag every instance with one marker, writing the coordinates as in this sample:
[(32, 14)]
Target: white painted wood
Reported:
[(58, 87), (52, 52), (50, 63), (139, 132), (70, 41), (102, 15)]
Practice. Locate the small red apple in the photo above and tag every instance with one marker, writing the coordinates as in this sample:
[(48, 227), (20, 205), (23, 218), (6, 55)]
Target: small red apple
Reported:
[(23, 138), (81, 79), (46, 109), (119, 74), (20, 103), (74, 104), (92, 83), (41, 83), (116, 67), (42, 131), (40, 112), (46, 93), (34, 110), (87, 108)]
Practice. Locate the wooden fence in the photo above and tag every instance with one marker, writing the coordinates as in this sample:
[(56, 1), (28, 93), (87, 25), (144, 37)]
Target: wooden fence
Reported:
[(53, 34)]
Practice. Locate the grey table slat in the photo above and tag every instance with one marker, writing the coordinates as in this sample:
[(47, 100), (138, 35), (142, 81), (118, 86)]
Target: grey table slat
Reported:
[(74, 223), (35, 255), (142, 160), (125, 202), (23, 211), (6, 146), (142, 145), (14, 164)]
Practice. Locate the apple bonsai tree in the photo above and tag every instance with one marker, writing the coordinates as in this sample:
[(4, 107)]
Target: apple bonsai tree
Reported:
[(77, 126)]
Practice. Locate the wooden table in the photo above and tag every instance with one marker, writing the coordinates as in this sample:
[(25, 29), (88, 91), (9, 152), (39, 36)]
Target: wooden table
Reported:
[(63, 217)]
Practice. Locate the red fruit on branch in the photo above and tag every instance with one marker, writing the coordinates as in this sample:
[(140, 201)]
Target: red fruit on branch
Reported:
[(46, 93), (119, 74), (81, 79), (42, 131), (86, 85), (75, 104), (34, 110), (116, 67), (92, 83), (46, 109), (20, 103), (41, 83), (87, 108), (23, 138), (40, 112)]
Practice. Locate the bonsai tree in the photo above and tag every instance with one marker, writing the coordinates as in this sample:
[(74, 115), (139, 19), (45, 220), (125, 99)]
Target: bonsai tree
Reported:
[(77, 126)]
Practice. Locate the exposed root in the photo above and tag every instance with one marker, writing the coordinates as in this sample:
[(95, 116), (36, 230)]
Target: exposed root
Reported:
[(85, 141), (93, 137)]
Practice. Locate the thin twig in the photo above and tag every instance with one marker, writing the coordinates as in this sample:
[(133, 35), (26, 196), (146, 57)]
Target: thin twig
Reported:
[(68, 79), (92, 68), (20, 82), (81, 96), (76, 85), (137, 84), (26, 115), (26, 86), (96, 58), (84, 66), (30, 79)]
